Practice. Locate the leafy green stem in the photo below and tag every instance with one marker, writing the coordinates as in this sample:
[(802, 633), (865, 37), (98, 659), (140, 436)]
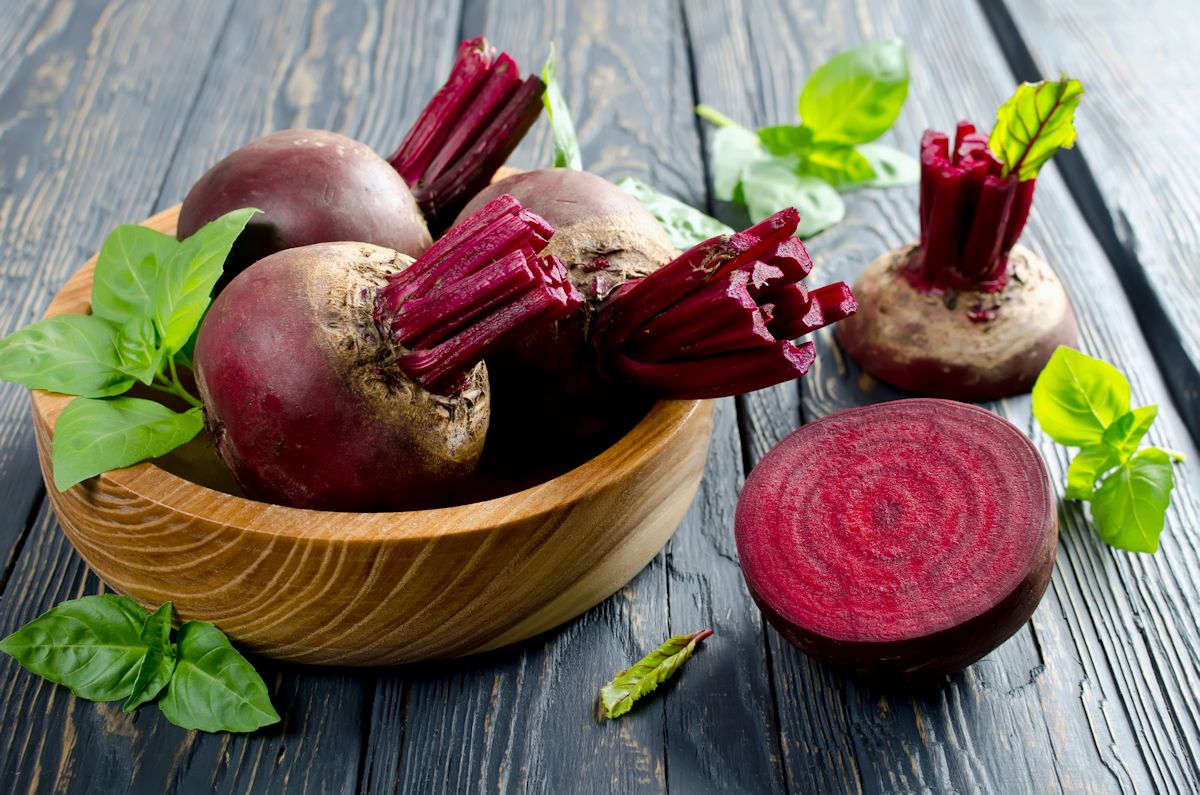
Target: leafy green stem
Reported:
[(715, 116), (1174, 455), (173, 386)]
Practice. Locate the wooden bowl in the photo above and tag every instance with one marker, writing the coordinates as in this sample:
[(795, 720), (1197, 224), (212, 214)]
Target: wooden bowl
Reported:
[(381, 588)]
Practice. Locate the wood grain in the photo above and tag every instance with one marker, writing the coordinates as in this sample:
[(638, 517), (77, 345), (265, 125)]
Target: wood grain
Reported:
[(1047, 696), (1136, 188)]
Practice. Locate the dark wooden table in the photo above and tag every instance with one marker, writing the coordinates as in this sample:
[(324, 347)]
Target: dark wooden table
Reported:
[(109, 110)]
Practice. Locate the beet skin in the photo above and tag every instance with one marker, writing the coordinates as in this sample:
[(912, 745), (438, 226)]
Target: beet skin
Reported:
[(293, 339), (313, 186), (904, 539)]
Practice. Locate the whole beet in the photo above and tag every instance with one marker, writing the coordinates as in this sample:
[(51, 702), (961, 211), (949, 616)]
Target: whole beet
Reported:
[(606, 238), (313, 186), (302, 396)]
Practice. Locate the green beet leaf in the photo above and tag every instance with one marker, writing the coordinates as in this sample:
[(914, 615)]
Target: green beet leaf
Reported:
[(91, 645), (1086, 468), (72, 354), (562, 128), (1130, 507), (770, 185), (891, 166), (214, 688), (1037, 121), (94, 436), (158, 663), (1077, 397), (685, 225), (855, 96), (617, 697), (186, 280), (125, 283)]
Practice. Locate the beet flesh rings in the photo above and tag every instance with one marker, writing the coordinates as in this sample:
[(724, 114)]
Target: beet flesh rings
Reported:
[(902, 539)]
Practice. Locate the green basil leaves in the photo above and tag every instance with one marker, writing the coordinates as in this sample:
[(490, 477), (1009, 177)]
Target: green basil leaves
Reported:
[(1084, 402), (149, 293), (107, 648)]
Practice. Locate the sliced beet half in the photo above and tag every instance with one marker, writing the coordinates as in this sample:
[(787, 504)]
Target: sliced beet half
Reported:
[(904, 539)]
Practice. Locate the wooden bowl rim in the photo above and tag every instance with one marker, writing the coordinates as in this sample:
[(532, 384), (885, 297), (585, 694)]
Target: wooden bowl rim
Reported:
[(582, 483)]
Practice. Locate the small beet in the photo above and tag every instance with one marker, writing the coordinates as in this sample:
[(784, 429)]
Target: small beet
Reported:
[(904, 539)]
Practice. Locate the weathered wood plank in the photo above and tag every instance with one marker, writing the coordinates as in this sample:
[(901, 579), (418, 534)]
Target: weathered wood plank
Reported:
[(1050, 696), (358, 70), (525, 717), (74, 77), (1132, 176)]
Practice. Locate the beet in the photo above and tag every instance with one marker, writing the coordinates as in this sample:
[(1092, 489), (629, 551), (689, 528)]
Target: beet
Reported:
[(315, 186), (904, 539), (966, 313), (345, 376), (606, 238)]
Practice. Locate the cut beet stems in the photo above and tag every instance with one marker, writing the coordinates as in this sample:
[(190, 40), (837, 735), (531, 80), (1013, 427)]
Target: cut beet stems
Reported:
[(903, 539)]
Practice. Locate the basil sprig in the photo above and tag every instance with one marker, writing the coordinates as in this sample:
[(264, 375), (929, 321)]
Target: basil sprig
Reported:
[(149, 293), (107, 648), (1084, 402), (685, 225), (848, 102)]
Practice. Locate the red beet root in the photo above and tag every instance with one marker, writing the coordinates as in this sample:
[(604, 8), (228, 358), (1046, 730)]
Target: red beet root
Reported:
[(966, 314), (315, 186), (902, 539), (345, 376)]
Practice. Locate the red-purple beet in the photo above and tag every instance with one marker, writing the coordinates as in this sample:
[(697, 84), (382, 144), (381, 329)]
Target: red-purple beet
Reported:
[(967, 313), (345, 376), (316, 186), (904, 539), (313, 186)]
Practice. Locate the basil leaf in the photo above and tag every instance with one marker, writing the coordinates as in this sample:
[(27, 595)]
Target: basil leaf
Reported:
[(91, 645), (892, 167), (617, 696), (566, 143), (733, 150), (1086, 468), (1076, 398), (94, 436), (840, 166), (685, 225), (855, 96), (158, 663), (214, 688), (137, 349), (786, 139), (186, 280), (72, 354), (1126, 432), (127, 270), (772, 184), (1035, 122), (1130, 507)]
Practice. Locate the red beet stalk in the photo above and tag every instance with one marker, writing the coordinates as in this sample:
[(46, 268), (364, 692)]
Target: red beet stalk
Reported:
[(971, 215), (467, 131), (479, 286), (719, 319)]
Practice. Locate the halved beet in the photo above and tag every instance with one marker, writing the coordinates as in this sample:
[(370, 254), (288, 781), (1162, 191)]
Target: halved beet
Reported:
[(902, 539)]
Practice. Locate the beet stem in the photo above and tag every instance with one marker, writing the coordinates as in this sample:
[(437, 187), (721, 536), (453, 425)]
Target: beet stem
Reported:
[(479, 286), (467, 131)]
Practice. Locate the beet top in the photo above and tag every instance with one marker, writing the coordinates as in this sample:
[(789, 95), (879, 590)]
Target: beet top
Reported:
[(905, 538)]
